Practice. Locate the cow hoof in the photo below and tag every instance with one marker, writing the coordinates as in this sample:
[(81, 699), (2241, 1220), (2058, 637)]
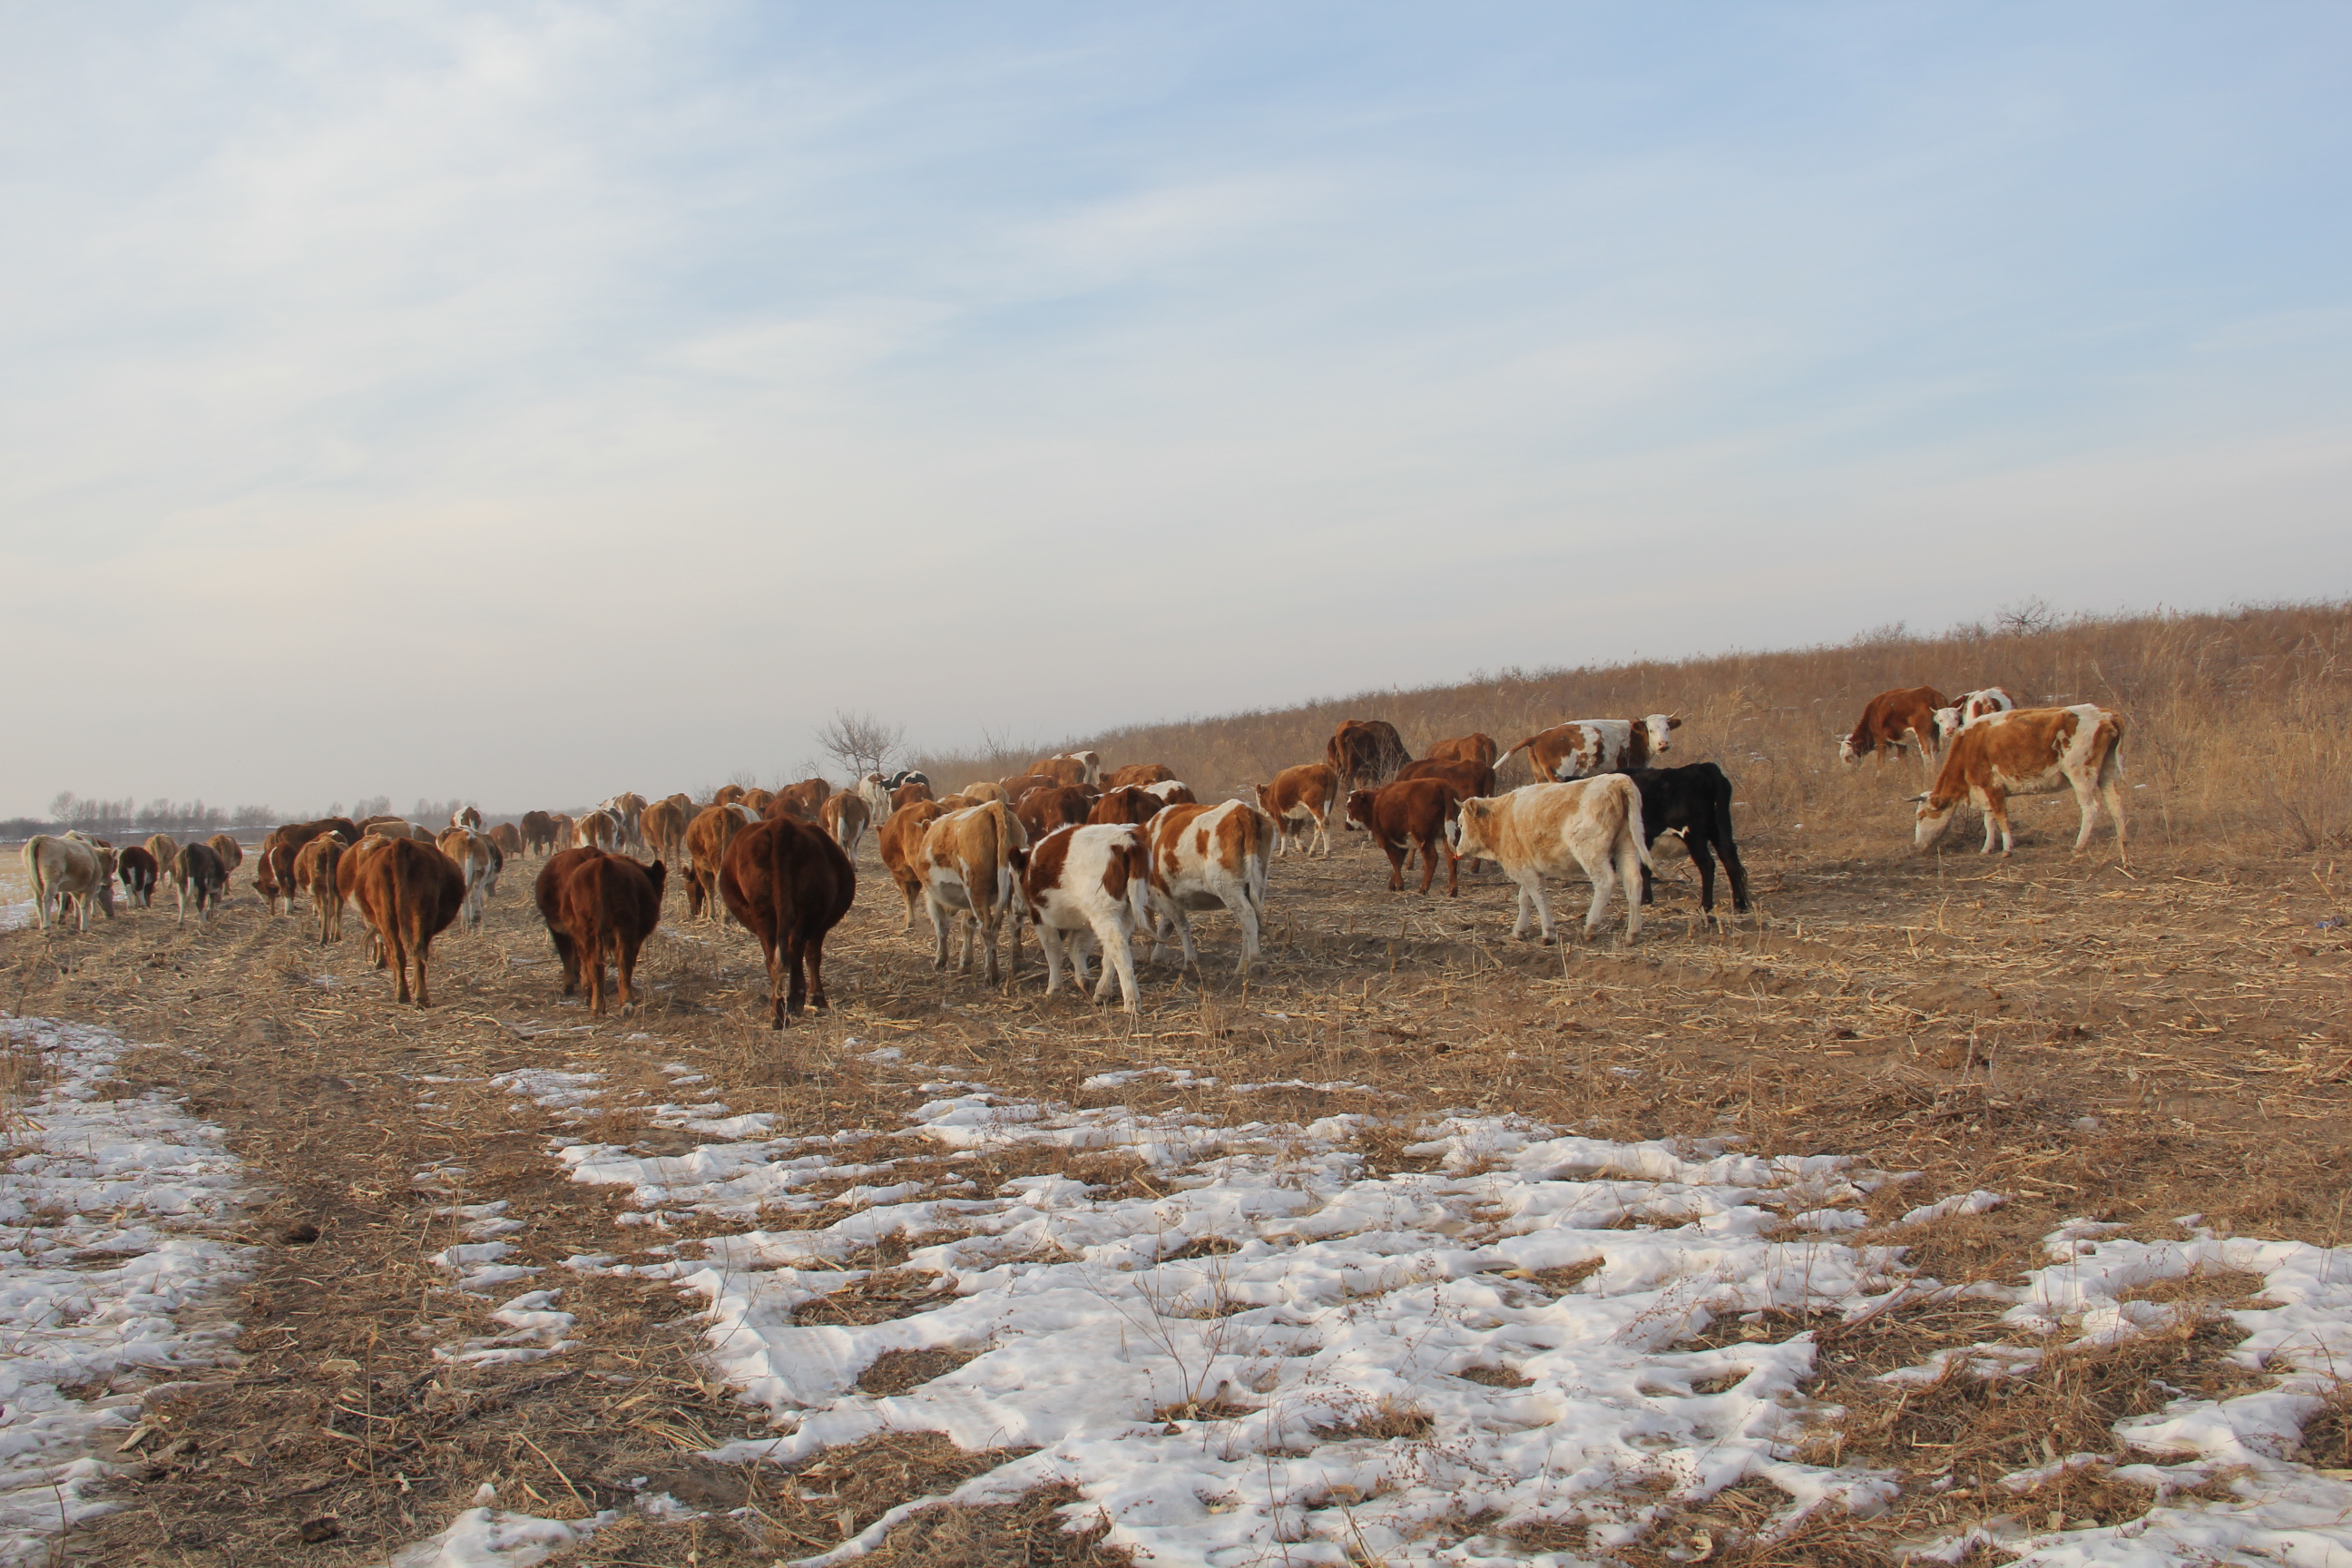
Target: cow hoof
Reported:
[(1551, 941)]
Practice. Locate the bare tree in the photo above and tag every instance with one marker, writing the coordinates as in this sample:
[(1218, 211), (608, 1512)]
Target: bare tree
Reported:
[(861, 742)]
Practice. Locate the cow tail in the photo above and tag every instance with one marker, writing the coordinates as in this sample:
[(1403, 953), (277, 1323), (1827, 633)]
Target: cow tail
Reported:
[(1515, 751), (2113, 764), (1138, 855), (1629, 793), (780, 890)]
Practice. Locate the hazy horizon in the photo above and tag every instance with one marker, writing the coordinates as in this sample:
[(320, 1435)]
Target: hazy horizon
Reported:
[(532, 405)]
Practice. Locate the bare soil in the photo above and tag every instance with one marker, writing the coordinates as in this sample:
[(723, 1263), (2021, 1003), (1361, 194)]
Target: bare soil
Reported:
[(2132, 1044)]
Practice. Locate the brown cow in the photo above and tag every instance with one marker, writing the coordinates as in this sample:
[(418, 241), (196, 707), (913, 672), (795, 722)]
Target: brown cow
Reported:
[(707, 838), (165, 848), (1080, 768), (197, 871), (900, 839), (759, 800), (539, 835), (609, 904), (564, 828), (958, 801), (983, 791), (1206, 858), (231, 853), (1043, 810), (1020, 784), (1298, 799), (801, 802), (1138, 773), (1892, 719), (727, 795), (1172, 792), (908, 794), (1126, 803), (789, 885), (409, 893), (844, 818), (1478, 748), (547, 893), (1365, 754), (662, 828), (508, 837), (274, 876), (971, 863), (1415, 812), (315, 866), (1471, 779)]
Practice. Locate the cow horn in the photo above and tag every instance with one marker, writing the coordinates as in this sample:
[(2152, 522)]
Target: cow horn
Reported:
[(1921, 797)]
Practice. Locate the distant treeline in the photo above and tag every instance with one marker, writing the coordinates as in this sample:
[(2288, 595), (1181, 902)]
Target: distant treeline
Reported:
[(112, 818)]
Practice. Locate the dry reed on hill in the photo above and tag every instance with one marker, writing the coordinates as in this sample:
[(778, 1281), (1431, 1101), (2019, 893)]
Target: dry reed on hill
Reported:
[(2240, 722)]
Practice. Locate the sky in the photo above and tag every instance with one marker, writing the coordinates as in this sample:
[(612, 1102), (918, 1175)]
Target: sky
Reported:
[(529, 402)]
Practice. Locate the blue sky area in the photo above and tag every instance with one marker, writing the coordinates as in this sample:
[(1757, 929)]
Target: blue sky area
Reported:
[(531, 402)]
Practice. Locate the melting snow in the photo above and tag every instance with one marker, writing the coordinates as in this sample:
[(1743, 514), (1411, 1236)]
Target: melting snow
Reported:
[(112, 1216)]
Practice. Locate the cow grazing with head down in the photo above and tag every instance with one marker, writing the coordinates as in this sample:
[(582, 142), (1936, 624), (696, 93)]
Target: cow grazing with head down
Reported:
[(1583, 747), (1966, 709), (2029, 750), (1594, 824), (273, 877), (1410, 814), (231, 853), (467, 816), (1299, 800), (1083, 769), (539, 835), (626, 809), (1138, 773), (69, 867), (1892, 721), (899, 841), (1693, 803), (197, 873), (1207, 857), (165, 848), (1172, 792), (968, 863), (596, 830), (1126, 803), (508, 837), (408, 893), (789, 885), (1087, 881), (136, 868), (607, 905), (1365, 754), (315, 868), (1043, 810), (707, 838), (843, 819)]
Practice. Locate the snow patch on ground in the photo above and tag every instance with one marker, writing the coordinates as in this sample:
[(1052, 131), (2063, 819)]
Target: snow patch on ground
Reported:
[(18, 915), (113, 1220)]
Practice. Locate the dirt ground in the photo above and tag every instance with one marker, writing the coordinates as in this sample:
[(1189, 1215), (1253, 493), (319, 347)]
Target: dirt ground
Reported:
[(2128, 1043)]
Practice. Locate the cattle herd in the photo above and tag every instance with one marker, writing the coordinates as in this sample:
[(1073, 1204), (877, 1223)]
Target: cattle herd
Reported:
[(1096, 862)]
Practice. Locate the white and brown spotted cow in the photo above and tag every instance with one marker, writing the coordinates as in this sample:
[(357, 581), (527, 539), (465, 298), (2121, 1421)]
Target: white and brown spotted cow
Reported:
[(2029, 750), (843, 818), (969, 864), (1583, 747), (1084, 882), (1966, 709), (1208, 858)]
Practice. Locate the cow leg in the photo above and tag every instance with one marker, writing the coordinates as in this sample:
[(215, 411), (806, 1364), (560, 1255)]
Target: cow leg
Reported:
[(396, 957), (1629, 866), (1050, 939), (1996, 812), (1080, 944), (2112, 792), (1453, 869), (796, 990), (989, 927), (1702, 857), (1737, 872), (419, 952), (180, 892), (625, 961), (1118, 961), (1604, 882), (2086, 802), (1245, 912), (1534, 891), (814, 950), (1396, 865)]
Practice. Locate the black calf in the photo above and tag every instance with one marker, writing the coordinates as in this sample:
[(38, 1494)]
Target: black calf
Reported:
[(1695, 801)]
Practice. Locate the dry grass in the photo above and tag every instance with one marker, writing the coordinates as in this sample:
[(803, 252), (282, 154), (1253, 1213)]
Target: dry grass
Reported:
[(2125, 1044)]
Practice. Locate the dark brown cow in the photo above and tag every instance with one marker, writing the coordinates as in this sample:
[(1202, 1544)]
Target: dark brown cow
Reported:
[(539, 833), (1020, 784), (1892, 721), (508, 837), (1365, 754), (409, 893), (790, 883), (547, 892), (1415, 812), (137, 869), (1469, 779), (900, 838), (1138, 773), (198, 872), (274, 877), (1070, 769), (1043, 810), (1126, 804), (609, 904)]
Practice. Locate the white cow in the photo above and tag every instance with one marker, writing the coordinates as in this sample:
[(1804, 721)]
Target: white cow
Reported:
[(69, 867), (1966, 709), (1088, 882)]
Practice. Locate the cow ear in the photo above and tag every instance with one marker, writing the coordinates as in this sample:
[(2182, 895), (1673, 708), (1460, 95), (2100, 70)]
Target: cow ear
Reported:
[(1674, 720)]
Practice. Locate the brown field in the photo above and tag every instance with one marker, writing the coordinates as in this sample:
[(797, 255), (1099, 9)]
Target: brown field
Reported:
[(2130, 1043)]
